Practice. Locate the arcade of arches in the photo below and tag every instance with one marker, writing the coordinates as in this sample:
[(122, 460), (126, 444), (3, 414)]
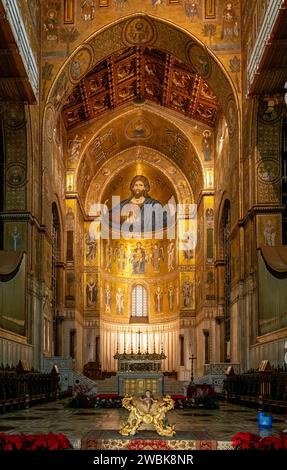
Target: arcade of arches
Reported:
[(110, 90)]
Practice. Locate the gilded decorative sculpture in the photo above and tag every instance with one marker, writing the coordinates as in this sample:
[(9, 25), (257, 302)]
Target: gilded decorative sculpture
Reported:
[(148, 410)]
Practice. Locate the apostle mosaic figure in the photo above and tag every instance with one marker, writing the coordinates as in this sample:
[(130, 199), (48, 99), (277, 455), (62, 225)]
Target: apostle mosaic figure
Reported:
[(187, 294), (191, 8), (91, 247), (15, 238), (170, 256), (119, 301), (209, 216), (109, 253), (88, 10), (120, 257), (170, 297), (70, 220), (157, 256), (207, 145), (51, 26), (108, 298), (91, 293), (230, 28), (158, 300), (74, 148), (269, 234), (187, 241)]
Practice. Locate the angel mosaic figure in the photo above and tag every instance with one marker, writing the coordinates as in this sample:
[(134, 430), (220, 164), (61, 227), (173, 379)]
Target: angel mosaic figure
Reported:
[(156, 256)]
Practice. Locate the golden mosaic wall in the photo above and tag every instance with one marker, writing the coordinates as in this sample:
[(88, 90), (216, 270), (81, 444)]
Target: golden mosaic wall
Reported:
[(204, 36), (114, 267)]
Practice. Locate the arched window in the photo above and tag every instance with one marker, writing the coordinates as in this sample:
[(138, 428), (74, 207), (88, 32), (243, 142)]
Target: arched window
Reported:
[(139, 301)]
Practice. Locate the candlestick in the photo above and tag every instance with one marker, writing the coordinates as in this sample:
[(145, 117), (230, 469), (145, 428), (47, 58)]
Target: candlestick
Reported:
[(192, 358), (124, 342), (132, 351), (154, 342)]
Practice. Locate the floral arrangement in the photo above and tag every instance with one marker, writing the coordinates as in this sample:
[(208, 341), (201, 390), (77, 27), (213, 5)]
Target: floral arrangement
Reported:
[(199, 395), (34, 442), (186, 403), (83, 399), (249, 441), (200, 391), (108, 402)]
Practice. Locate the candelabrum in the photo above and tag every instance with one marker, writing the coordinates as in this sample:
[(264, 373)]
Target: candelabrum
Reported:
[(139, 353)]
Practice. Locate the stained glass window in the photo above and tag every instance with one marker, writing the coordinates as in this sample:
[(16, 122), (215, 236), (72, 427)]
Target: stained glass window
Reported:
[(139, 301)]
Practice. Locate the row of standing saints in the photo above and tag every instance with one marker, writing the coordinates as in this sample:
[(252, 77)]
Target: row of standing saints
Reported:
[(192, 9), (138, 257), (136, 260), (117, 295)]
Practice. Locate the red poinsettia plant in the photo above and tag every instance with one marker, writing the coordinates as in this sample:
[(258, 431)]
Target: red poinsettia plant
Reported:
[(40, 441), (249, 441)]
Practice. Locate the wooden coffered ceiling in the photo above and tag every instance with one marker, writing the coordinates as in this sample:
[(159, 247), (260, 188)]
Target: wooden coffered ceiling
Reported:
[(139, 74)]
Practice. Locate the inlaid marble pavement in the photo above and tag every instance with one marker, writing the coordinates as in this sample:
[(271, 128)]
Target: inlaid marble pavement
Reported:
[(193, 424)]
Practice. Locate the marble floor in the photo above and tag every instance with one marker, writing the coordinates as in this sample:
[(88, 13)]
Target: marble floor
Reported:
[(55, 417)]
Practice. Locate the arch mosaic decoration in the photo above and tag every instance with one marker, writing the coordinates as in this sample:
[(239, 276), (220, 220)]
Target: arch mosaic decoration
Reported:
[(171, 141), (168, 38), (126, 158)]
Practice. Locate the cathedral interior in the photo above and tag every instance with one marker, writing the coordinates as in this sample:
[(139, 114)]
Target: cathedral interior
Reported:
[(174, 103)]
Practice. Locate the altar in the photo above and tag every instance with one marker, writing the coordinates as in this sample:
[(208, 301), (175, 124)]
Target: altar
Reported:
[(140, 371), (136, 383)]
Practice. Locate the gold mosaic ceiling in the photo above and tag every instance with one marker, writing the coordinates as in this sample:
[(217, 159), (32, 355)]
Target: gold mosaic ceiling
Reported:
[(139, 73)]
